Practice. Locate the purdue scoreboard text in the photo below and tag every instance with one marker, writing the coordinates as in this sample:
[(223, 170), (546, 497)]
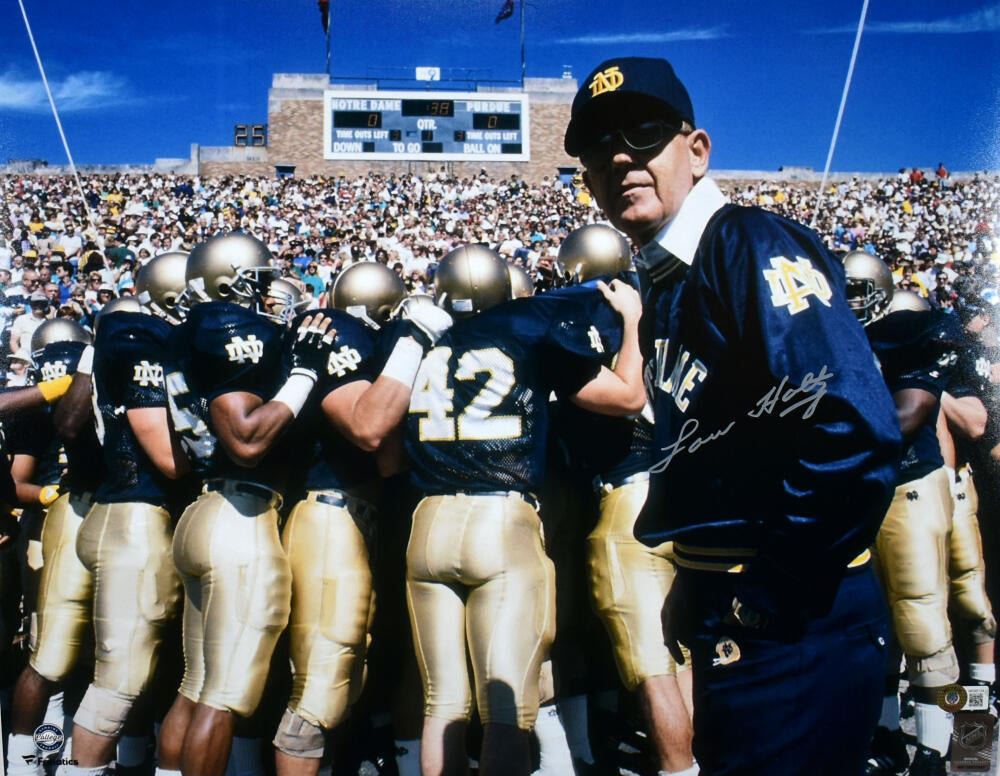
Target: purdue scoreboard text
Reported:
[(430, 126)]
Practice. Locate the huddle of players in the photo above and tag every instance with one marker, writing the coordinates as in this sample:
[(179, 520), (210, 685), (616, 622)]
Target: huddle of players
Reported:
[(205, 403), (928, 550)]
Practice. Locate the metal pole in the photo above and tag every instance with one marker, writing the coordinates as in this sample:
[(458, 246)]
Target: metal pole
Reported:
[(523, 63), (840, 114), (328, 73), (55, 113)]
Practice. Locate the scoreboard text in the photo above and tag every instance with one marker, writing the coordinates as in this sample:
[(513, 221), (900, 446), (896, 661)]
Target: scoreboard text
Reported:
[(446, 126)]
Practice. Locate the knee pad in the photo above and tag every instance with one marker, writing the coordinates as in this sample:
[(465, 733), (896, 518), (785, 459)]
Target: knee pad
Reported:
[(103, 712), (299, 738), (936, 670)]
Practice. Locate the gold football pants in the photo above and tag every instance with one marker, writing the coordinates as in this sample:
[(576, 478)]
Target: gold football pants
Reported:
[(237, 586), (136, 590), (912, 562), (969, 604), (629, 583), (478, 578), (64, 590), (332, 607)]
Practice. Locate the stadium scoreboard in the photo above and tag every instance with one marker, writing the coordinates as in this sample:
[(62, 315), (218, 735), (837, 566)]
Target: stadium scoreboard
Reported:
[(426, 126)]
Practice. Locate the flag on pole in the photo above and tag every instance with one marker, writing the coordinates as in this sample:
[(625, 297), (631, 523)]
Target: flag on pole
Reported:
[(324, 10), (506, 12)]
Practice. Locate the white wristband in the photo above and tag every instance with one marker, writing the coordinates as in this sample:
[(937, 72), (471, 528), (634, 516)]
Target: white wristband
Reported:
[(404, 361), (86, 363), (295, 391)]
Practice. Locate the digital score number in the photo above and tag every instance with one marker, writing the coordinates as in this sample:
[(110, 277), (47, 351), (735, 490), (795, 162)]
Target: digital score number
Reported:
[(446, 126)]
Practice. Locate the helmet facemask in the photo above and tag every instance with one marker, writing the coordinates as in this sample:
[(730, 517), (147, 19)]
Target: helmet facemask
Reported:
[(866, 300)]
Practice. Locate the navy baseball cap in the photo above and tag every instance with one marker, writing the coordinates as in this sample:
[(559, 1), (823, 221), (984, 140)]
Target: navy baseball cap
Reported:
[(639, 81)]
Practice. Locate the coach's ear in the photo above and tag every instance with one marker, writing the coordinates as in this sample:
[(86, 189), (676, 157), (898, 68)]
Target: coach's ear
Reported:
[(699, 149)]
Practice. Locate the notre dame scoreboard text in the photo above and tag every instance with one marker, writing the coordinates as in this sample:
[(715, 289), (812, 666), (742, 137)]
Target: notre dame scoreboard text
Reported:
[(429, 126)]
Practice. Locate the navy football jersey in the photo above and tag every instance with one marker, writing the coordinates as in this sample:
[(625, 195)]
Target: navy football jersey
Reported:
[(223, 348), (81, 457), (130, 349), (774, 430), (329, 461), (971, 377), (478, 415), (918, 349)]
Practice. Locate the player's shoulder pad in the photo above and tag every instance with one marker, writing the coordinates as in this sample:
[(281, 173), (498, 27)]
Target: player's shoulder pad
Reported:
[(59, 359), (125, 326)]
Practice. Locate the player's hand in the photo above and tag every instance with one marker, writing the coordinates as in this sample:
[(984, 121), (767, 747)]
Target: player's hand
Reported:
[(430, 319), (623, 298), (672, 617), (311, 344)]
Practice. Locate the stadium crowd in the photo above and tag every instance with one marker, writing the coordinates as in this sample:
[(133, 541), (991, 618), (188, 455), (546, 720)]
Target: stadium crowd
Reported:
[(61, 258)]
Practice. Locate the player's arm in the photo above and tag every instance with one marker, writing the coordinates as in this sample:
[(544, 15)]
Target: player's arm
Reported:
[(966, 415), (34, 396), (76, 409), (246, 425), (914, 407), (367, 412), (618, 391), (152, 429), (22, 471)]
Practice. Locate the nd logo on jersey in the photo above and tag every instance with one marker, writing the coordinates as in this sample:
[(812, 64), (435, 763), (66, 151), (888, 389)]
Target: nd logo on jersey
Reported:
[(53, 369), (242, 350), (146, 374), (343, 361), (792, 282)]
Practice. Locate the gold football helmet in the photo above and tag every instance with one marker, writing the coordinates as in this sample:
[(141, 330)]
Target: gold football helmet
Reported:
[(161, 281), (57, 330), (594, 250), (284, 301), (869, 286), (520, 282), (470, 279), (907, 300), (232, 267), (369, 291), (119, 304)]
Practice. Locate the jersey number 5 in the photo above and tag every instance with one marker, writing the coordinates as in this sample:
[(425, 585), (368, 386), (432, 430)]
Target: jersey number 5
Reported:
[(432, 395)]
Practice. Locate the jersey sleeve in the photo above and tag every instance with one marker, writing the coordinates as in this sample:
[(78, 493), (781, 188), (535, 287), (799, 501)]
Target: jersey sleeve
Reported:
[(352, 357), (582, 335), (131, 353), (235, 350), (834, 419)]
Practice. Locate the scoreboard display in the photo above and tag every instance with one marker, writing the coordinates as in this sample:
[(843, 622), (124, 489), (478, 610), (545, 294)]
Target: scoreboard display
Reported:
[(426, 126)]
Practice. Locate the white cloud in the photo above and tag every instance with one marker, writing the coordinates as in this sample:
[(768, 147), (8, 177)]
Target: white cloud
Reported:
[(85, 90), (983, 20), (625, 38)]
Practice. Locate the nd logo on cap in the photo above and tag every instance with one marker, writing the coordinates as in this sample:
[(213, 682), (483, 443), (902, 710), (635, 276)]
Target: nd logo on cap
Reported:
[(606, 81)]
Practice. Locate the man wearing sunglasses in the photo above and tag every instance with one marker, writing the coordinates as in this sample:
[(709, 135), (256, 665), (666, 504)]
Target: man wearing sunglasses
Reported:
[(776, 442)]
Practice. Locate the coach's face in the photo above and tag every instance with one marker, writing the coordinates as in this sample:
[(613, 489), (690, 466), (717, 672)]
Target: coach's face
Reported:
[(640, 191)]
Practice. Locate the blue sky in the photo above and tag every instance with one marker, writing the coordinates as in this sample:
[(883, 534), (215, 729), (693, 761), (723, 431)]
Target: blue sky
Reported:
[(136, 81)]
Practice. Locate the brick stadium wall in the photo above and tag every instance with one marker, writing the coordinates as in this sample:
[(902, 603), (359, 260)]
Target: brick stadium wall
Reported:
[(295, 137)]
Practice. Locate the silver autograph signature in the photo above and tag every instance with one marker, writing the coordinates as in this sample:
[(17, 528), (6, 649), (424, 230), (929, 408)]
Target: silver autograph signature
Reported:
[(805, 395)]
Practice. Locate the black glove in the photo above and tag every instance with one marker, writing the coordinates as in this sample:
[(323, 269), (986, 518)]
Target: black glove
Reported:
[(311, 345)]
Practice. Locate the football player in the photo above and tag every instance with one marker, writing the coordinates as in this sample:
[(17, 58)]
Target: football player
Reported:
[(359, 400), (479, 584), (65, 586), (629, 581), (961, 425), (125, 540), (231, 399), (917, 350)]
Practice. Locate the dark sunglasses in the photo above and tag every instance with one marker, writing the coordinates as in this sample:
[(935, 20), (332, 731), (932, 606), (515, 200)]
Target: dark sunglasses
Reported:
[(639, 137)]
